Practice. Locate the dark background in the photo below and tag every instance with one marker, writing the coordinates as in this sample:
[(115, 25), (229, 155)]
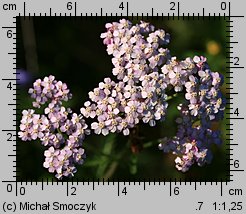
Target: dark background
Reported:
[(72, 50)]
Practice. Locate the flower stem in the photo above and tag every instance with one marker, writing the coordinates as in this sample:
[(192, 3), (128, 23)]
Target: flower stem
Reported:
[(148, 144), (172, 96)]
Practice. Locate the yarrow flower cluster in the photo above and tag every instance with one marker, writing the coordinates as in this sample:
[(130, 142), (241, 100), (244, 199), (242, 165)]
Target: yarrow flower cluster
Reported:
[(204, 104), (119, 106), (137, 50), (192, 142), (145, 73), (57, 128), (48, 90), (139, 94)]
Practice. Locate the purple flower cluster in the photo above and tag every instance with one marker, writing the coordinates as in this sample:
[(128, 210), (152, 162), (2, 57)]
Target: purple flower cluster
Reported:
[(57, 128), (204, 104), (203, 91), (176, 73), (48, 90), (192, 142), (136, 49), (201, 84), (119, 106), (140, 92)]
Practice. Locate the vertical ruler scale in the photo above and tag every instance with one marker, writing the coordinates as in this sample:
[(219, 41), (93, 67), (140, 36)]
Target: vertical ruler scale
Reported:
[(10, 87), (48, 195), (233, 68), (229, 88)]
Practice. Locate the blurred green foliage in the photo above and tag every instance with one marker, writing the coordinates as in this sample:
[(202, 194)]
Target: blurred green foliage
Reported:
[(71, 49)]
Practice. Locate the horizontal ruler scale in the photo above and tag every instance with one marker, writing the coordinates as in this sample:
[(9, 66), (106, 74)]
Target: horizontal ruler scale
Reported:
[(223, 187), (170, 9)]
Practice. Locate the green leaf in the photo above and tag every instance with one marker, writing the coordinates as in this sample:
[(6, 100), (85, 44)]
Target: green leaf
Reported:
[(105, 159), (109, 143)]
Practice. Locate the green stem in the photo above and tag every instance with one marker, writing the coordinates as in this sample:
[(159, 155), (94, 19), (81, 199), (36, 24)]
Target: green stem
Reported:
[(148, 144), (113, 166), (59, 131), (172, 96), (110, 170)]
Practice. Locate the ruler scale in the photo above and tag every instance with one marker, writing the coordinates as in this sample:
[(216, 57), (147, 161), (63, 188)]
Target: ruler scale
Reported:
[(22, 195)]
